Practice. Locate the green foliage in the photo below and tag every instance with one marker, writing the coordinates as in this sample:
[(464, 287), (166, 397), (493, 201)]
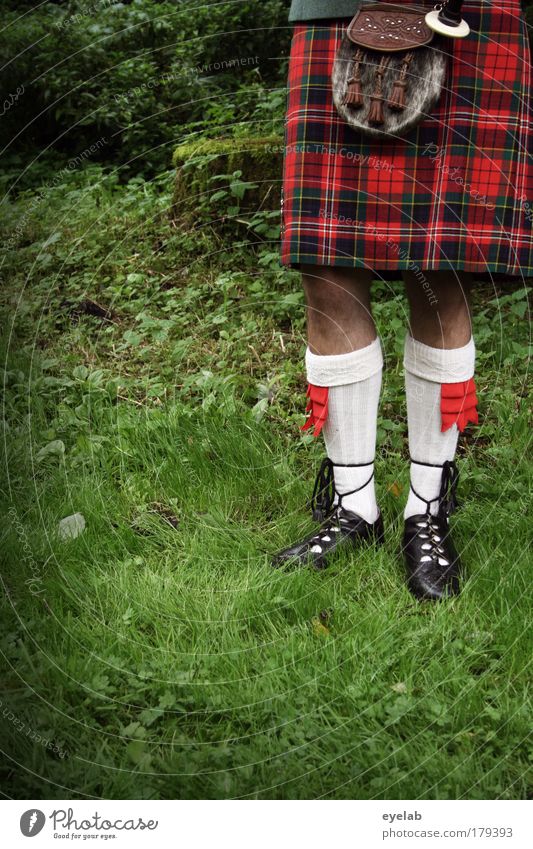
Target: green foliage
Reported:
[(139, 76), (244, 201)]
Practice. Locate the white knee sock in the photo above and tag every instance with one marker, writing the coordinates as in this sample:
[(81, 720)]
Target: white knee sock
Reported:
[(354, 383), (426, 370)]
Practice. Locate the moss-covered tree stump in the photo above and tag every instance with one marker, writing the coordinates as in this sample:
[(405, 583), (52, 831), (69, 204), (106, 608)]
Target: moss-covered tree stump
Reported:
[(229, 182)]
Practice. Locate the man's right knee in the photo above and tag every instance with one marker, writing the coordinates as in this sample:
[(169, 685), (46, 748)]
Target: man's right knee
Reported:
[(336, 301)]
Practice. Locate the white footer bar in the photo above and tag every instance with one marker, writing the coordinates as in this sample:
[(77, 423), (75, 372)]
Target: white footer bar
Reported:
[(267, 824)]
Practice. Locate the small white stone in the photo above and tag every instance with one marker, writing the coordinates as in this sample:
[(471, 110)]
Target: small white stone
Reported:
[(71, 526)]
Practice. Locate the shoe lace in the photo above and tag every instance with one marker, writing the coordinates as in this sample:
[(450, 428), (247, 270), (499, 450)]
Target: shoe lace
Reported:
[(324, 491), (434, 528), (447, 497), (331, 526)]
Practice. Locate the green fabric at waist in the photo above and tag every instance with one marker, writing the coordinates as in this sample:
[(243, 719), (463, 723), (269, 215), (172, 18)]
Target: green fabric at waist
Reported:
[(308, 10)]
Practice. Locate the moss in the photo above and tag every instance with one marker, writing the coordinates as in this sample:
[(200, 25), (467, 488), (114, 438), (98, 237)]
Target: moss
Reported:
[(258, 158), (254, 146)]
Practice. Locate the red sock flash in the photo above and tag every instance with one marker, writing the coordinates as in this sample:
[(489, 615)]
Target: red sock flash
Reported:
[(458, 404), (317, 407)]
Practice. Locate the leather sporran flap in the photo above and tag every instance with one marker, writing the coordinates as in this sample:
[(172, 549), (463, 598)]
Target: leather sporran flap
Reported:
[(382, 26), (388, 71)]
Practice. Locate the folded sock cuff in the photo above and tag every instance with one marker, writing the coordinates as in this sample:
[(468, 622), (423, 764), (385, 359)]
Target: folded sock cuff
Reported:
[(342, 369), (439, 365)]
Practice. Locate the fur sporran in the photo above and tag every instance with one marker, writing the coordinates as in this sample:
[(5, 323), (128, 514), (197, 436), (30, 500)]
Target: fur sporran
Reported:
[(388, 71)]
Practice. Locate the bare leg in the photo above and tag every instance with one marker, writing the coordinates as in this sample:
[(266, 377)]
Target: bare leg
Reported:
[(339, 317), (439, 308)]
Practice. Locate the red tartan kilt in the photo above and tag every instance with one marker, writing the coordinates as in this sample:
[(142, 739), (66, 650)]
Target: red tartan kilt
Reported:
[(455, 193)]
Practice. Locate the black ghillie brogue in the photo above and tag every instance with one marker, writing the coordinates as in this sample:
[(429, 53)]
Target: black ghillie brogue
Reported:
[(432, 563), (339, 528)]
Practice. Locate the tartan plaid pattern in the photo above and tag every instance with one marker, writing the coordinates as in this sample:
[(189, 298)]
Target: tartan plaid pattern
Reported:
[(456, 192)]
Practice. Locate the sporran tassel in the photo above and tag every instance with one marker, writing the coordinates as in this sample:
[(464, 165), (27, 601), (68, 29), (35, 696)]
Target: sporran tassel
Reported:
[(354, 92), (397, 100), (375, 115)]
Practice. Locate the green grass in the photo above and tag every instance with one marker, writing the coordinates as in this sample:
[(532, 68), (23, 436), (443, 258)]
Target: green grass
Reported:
[(158, 652)]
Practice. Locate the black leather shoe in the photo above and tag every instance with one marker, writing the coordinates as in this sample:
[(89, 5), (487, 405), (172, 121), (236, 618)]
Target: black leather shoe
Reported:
[(343, 529), (432, 563), (340, 528)]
